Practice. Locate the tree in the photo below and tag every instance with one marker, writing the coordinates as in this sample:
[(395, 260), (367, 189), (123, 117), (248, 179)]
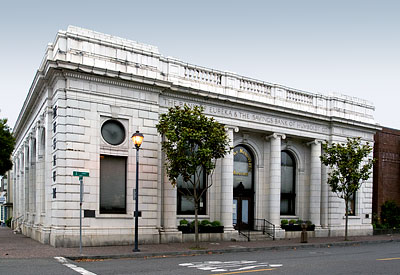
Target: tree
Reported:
[(192, 143), (349, 169), (7, 143)]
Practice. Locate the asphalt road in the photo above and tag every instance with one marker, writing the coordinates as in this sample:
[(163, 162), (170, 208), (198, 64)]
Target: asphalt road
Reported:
[(362, 259)]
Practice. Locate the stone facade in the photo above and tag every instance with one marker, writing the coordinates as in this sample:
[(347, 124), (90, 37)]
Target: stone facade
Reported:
[(88, 78), (386, 168)]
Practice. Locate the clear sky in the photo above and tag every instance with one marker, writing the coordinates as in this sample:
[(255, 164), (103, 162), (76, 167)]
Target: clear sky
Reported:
[(348, 47)]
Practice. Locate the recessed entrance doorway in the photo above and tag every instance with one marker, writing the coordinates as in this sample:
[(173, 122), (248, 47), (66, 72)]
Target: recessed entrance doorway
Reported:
[(243, 188)]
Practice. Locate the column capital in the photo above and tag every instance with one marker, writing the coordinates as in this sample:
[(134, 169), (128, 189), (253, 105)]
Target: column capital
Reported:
[(39, 124), (49, 110), (231, 127), (275, 136), (315, 142)]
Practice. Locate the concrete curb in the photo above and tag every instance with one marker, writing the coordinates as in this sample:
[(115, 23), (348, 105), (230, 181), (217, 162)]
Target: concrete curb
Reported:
[(226, 250)]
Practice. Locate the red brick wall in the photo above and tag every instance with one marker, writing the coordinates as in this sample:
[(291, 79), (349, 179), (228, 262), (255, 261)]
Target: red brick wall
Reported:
[(386, 182)]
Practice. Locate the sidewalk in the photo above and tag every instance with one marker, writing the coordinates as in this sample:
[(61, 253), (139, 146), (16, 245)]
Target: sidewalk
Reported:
[(19, 246)]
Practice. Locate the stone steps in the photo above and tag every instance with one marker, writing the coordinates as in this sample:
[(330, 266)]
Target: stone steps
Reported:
[(257, 236)]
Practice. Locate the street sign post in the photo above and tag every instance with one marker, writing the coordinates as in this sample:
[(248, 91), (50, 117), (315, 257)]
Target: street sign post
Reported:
[(80, 175)]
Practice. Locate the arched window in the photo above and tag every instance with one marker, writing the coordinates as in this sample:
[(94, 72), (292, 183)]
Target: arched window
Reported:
[(243, 167), (288, 186), (243, 187)]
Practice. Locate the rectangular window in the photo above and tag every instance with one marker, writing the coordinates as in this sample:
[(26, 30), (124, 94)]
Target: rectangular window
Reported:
[(54, 160), (112, 184), (54, 143), (54, 111), (185, 199), (54, 176), (54, 127), (352, 205)]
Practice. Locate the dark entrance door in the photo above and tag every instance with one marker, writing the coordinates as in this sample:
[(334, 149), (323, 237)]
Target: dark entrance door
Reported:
[(244, 216), (243, 208)]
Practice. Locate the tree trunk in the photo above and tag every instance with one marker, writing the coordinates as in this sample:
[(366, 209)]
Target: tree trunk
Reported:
[(347, 220), (196, 220)]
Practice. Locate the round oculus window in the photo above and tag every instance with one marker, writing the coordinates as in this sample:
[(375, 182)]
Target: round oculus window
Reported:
[(113, 132)]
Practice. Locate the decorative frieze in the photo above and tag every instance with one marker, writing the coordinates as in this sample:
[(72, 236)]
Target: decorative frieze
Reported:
[(251, 116)]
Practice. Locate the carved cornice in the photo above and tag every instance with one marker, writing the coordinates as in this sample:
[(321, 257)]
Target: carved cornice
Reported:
[(105, 80)]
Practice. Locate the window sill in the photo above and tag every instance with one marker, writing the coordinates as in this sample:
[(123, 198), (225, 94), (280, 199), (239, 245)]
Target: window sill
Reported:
[(289, 217), (192, 217), (352, 217), (114, 216)]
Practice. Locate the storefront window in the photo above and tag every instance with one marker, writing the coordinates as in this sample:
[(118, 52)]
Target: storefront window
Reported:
[(185, 195)]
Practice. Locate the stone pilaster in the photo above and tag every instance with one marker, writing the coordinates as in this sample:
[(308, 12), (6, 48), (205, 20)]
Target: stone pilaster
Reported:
[(227, 183), (170, 200), (275, 178), (169, 232), (324, 196)]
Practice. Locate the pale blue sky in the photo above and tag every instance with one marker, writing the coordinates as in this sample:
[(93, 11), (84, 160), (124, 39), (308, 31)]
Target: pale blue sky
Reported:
[(349, 47)]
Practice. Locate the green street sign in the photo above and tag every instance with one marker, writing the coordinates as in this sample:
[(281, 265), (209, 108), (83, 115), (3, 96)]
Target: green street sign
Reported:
[(80, 174)]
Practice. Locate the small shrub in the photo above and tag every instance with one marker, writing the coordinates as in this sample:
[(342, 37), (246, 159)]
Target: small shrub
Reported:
[(390, 214), (284, 222), (292, 222), (8, 221), (183, 222), (309, 223), (299, 221), (216, 223), (205, 223)]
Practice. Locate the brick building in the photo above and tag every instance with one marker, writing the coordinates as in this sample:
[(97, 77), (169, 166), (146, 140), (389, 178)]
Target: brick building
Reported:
[(387, 168)]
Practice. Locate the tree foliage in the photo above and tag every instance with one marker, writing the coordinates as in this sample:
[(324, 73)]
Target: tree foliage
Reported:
[(192, 140), (192, 143), (7, 143), (350, 167)]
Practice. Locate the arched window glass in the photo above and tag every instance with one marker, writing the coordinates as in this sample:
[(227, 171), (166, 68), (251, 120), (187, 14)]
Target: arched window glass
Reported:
[(242, 168), (288, 191)]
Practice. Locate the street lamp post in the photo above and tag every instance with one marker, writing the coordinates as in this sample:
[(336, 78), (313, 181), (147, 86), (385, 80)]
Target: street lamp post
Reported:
[(137, 140)]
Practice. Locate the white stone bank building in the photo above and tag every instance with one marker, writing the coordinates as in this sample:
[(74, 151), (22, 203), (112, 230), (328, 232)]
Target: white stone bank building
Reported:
[(92, 91)]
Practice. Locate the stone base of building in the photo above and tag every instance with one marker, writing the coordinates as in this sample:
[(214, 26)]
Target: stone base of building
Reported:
[(333, 232), (61, 237), (170, 236), (321, 232), (280, 233), (359, 230)]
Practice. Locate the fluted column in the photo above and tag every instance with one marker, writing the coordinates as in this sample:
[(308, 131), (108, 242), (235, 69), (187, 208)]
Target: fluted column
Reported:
[(32, 173), (315, 183), (16, 187), (227, 183), (21, 181), (275, 178), (26, 179)]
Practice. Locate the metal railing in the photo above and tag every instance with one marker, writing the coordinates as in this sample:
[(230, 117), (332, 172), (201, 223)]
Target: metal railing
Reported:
[(266, 227), (245, 232), (259, 225)]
